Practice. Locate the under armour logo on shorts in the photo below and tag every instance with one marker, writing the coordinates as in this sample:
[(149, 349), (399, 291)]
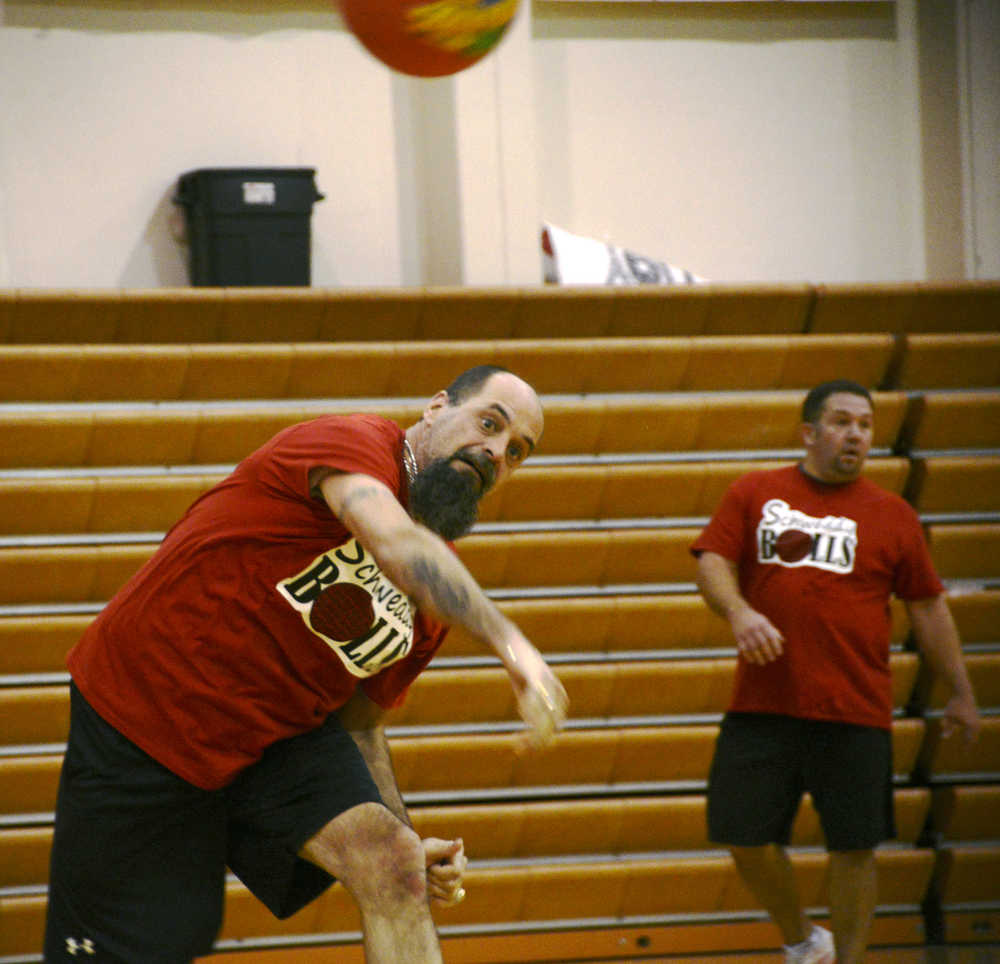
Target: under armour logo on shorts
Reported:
[(86, 945)]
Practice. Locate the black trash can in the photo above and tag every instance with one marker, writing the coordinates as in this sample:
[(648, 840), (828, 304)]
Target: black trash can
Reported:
[(249, 226)]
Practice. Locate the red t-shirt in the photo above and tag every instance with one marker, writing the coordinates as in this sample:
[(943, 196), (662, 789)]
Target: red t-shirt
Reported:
[(259, 614), (821, 562)]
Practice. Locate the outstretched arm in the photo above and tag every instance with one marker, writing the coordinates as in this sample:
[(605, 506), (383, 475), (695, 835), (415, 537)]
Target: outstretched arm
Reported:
[(423, 566), (758, 640), (938, 639)]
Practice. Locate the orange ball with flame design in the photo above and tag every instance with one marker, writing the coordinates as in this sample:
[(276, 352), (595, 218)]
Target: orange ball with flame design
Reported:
[(428, 38)]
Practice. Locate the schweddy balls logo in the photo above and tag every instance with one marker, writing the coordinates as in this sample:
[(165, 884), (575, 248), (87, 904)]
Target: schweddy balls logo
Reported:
[(346, 600), (788, 537), (467, 27)]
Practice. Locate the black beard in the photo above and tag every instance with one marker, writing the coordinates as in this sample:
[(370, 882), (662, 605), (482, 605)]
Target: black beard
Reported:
[(446, 499)]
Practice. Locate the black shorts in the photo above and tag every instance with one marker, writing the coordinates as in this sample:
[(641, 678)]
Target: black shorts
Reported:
[(139, 855), (763, 764)]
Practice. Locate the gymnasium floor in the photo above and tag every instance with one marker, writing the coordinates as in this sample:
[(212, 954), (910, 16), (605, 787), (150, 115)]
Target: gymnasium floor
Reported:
[(979, 954), (971, 954)]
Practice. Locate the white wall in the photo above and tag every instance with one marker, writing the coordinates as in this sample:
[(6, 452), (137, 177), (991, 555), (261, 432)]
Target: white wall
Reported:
[(979, 50), (747, 143), (103, 105), (736, 147)]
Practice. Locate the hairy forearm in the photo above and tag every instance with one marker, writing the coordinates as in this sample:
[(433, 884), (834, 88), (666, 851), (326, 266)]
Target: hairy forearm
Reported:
[(420, 564), (442, 584)]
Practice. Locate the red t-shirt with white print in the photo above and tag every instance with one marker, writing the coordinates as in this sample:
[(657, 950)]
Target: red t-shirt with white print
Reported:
[(821, 562), (259, 614)]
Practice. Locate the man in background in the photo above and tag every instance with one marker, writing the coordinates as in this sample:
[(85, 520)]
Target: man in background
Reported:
[(802, 561)]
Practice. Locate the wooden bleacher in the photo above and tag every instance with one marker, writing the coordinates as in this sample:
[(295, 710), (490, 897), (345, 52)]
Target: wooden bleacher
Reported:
[(61, 373), (138, 503), (118, 408), (205, 372), (208, 434), (947, 307), (200, 316), (945, 482), (968, 858), (608, 689), (951, 360)]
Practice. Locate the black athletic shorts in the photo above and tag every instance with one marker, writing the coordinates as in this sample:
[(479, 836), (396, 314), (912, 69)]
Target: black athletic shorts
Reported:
[(139, 855), (764, 763)]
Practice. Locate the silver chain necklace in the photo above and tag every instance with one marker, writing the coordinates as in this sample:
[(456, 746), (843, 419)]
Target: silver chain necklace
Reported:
[(409, 462)]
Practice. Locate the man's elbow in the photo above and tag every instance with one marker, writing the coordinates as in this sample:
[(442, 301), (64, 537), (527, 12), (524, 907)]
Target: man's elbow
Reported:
[(708, 564)]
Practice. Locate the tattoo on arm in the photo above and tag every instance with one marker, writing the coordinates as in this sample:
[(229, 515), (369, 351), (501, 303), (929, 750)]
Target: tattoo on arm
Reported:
[(450, 598), (357, 495), (444, 587)]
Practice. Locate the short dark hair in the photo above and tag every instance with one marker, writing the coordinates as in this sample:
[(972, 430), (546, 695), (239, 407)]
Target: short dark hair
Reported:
[(812, 407), (471, 381)]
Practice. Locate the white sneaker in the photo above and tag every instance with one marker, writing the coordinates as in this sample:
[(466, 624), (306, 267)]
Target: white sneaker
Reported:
[(817, 948)]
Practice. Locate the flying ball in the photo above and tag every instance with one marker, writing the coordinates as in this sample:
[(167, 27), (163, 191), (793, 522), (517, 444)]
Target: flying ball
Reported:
[(428, 38)]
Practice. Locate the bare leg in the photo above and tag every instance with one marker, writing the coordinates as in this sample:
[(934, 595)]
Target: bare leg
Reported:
[(381, 862), (853, 895), (768, 873)]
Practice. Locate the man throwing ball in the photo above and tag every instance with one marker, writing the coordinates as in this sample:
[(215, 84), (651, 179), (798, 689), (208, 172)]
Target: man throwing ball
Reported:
[(227, 704)]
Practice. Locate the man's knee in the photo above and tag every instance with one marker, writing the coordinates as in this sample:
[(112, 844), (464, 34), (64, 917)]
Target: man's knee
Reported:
[(397, 860), (373, 853)]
